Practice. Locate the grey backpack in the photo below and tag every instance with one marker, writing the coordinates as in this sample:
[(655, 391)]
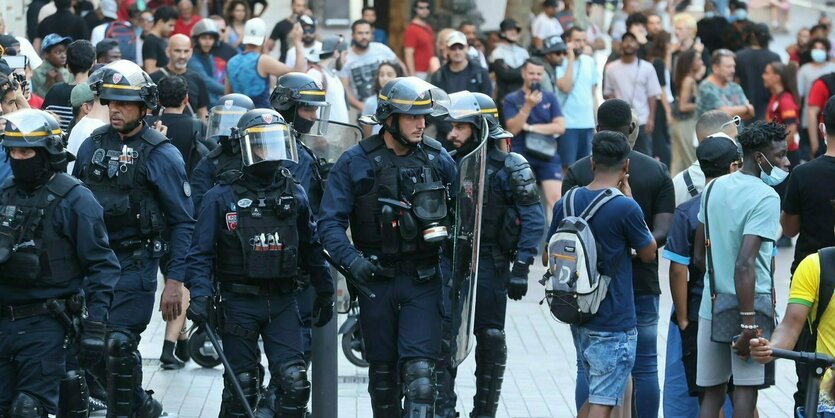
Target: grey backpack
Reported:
[(574, 284)]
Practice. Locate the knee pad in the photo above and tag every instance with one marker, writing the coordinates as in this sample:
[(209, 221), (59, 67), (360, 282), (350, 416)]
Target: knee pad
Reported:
[(124, 373), (491, 346), (25, 405), (419, 379), (382, 383), (73, 396), (120, 344), (250, 385), (294, 389)]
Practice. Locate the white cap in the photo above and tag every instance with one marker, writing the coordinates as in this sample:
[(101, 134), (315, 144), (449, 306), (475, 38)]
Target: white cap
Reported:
[(255, 30), (456, 38), (109, 8), (312, 54)]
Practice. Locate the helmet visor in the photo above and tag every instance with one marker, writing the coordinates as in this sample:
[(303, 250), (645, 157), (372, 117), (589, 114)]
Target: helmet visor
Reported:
[(412, 95), (222, 119), (268, 143), (463, 107), (319, 112), (29, 126)]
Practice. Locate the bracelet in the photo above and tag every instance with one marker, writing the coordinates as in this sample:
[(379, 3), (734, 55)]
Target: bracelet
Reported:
[(747, 314), (752, 327)]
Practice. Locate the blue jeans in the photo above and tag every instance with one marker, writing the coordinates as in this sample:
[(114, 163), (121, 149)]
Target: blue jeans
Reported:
[(645, 372), (608, 357), (677, 401)]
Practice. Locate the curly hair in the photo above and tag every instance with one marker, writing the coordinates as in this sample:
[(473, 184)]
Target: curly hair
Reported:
[(758, 136), (173, 89)]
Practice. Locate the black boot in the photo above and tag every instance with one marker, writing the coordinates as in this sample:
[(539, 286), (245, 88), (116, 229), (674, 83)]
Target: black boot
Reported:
[(490, 359), (167, 358), (421, 388), (182, 350), (384, 390)]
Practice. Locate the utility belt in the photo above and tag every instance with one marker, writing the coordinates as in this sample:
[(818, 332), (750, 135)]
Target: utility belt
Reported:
[(423, 269), (155, 245), (68, 311), (255, 289)]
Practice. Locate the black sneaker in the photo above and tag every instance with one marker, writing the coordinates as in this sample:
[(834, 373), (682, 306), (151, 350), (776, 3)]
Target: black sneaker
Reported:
[(150, 407), (168, 361), (97, 404), (182, 350)]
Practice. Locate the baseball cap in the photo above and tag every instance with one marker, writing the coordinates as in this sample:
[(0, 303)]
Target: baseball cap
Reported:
[(332, 44), (81, 94), (54, 39), (308, 24), (8, 42), (255, 30), (716, 153), (508, 24), (553, 44), (110, 9), (456, 38), (549, 3)]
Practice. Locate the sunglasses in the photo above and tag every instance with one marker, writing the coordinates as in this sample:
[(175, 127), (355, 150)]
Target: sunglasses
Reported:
[(735, 121), (456, 47), (561, 53)]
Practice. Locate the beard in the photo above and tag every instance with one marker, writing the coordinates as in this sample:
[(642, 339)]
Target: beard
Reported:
[(129, 126)]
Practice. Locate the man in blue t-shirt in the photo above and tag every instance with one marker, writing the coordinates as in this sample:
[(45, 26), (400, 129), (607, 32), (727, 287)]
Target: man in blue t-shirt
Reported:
[(717, 156), (606, 345), (531, 110)]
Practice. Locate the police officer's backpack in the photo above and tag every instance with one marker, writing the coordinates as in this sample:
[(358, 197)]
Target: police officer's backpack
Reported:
[(574, 285)]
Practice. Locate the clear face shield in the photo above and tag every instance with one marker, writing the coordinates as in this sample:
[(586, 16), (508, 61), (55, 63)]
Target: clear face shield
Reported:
[(412, 93), (29, 128), (312, 118), (222, 119), (463, 106), (268, 143)]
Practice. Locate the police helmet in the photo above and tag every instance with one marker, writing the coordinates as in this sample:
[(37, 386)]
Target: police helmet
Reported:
[(295, 88), (125, 81), (226, 113), (264, 136), (34, 128), (408, 96), (490, 112), (205, 27), (464, 108)]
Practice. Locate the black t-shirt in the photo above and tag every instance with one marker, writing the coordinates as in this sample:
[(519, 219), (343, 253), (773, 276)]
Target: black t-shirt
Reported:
[(154, 48), (750, 66), (92, 20), (32, 18), (198, 94), (709, 30), (224, 51), (184, 131), (279, 33), (58, 100), (652, 189), (810, 195), (64, 23)]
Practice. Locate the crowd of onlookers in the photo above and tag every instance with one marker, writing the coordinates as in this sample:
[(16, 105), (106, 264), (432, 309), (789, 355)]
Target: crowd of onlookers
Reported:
[(702, 97)]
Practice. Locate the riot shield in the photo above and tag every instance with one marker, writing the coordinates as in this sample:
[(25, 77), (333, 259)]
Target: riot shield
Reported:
[(466, 239)]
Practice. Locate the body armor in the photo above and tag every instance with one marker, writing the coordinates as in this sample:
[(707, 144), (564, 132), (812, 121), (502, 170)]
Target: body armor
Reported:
[(395, 232), (36, 255), (500, 219), (261, 242), (118, 177)]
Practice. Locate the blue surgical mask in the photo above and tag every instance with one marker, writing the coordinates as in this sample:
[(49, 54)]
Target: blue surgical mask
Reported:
[(740, 14), (775, 177), (818, 55)]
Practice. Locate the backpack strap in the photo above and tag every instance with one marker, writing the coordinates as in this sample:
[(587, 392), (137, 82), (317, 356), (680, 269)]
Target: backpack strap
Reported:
[(568, 206), (708, 253), (827, 283), (599, 201), (688, 181)]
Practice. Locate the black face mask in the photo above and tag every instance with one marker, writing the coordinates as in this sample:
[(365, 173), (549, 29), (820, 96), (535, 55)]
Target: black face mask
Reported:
[(263, 172), (31, 173), (302, 125)]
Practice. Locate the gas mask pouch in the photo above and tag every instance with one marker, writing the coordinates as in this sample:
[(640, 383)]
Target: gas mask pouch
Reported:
[(429, 207)]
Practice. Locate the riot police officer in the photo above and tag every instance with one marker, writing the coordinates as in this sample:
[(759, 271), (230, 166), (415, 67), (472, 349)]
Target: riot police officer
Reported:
[(139, 178), (391, 189), (222, 118), (258, 231), (512, 222), (52, 247)]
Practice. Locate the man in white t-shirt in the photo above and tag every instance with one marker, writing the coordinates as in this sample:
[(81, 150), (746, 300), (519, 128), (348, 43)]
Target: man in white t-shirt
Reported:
[(691, 181), (322, 67), (91, 113), (311, 45), (362, 62), (545, 25)]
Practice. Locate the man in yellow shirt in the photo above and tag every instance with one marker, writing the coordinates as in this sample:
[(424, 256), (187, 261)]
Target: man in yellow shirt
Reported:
[(803, 310)]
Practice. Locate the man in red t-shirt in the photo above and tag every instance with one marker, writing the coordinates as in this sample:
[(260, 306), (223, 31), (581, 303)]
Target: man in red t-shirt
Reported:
[(818, 95), (419, 41), (187, 18), (782, 108)]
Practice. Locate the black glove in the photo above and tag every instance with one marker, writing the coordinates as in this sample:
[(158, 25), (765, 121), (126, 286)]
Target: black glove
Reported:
[(91, 343), (362, 270), (198, 310), (518, 285), (322, 309)]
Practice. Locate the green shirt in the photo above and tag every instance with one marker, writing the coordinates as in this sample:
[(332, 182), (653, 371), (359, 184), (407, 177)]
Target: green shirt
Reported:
[(39, 77), (740, 205)]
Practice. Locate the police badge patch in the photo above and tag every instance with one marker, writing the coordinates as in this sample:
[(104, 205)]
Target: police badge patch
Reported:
[(117, 77), (232, 221), (268, 119), (245, 203)]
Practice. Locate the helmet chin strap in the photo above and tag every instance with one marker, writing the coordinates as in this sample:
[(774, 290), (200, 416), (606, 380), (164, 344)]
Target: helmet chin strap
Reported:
[(394, 131)]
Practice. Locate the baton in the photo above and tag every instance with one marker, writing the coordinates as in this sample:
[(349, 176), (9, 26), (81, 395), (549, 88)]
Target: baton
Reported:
[(350, 277), (235, 384)]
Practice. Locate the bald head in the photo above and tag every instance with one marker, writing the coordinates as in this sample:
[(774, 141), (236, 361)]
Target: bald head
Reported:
[(713, 122), (179, 52)]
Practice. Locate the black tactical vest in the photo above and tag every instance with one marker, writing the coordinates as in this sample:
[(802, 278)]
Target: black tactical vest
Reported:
[(118, 177), (394, 234), (261, 239), (500, 221), (224, 159), (40, 257)]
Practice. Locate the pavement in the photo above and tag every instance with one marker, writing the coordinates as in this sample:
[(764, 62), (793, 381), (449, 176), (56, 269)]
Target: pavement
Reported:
[(541, 370)]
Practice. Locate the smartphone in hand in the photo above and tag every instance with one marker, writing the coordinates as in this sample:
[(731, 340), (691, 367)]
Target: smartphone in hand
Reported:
[(536, 86)]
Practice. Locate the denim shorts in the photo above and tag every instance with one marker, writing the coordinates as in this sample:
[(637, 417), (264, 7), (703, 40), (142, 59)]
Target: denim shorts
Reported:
[(607, 358)]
